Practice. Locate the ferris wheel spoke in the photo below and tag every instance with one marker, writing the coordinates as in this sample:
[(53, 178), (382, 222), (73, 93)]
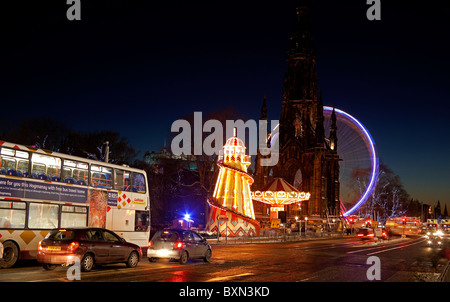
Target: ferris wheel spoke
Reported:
[(359, 159)]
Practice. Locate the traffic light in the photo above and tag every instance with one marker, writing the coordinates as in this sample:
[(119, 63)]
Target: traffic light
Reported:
[(404, 220)]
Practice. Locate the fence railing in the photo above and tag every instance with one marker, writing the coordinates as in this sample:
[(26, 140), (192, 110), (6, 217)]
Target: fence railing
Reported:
[(277, 235)]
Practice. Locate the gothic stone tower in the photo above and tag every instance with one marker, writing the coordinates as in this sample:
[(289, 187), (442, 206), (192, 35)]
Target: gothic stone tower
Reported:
[(308, 160)]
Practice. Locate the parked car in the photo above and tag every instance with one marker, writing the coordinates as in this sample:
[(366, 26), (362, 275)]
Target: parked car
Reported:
[(178, 244), (90, 245), (1, 248)]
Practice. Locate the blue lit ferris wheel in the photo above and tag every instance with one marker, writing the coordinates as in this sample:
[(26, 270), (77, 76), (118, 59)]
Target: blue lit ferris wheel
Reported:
[(358, 168), (356, 149)]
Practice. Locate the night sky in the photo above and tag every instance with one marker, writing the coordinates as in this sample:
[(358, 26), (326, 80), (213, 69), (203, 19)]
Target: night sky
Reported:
[(137, 66)]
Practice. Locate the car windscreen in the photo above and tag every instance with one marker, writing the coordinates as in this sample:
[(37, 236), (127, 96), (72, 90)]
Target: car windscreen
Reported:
[(166, 235), (60, 235)]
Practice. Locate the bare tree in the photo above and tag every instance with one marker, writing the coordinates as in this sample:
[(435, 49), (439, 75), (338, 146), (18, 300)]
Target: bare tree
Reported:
[(389, 198)]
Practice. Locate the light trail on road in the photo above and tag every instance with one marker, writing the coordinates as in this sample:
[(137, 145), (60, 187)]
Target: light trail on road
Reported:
[(384, 247)]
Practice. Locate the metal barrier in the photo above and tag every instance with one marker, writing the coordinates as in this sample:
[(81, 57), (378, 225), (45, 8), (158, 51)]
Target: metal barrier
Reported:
[(270, 236)]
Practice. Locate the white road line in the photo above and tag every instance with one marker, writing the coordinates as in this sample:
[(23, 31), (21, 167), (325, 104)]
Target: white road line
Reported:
[(394, 248), (372, 248), (228, 277), (377, 247)]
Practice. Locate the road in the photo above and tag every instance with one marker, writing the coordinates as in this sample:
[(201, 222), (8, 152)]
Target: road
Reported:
[(332, 260)]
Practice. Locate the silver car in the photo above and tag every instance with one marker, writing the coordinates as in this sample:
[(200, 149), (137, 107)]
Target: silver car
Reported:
[(178, 244)]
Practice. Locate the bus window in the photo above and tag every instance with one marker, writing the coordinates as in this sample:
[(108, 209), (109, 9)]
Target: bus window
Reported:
[(139, 183), (22, 167), (14, 162), (118, 179), (12, 215), (45, 167), (75, 172), (81, 176), (8, 163), (73, 216), (141, 221), (126, 181), (122, 180), (8, 152), (101, 177), (43, 216)]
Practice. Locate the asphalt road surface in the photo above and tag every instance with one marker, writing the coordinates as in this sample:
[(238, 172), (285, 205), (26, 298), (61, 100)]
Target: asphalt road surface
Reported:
[(332, 260)]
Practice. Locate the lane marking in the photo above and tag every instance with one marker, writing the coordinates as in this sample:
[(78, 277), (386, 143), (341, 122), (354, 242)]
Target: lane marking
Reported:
[(228, 277), (327, 246), (376, 247), (394, 248)]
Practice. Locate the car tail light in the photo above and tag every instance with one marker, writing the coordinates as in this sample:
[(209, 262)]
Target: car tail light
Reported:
[(40, 248), (178, 245), (371, 235), (73, 246), (150, 243), (360, 235)]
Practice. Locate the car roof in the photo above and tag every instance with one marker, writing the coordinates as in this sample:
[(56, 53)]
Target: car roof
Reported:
[(79, 228), (176, 230)]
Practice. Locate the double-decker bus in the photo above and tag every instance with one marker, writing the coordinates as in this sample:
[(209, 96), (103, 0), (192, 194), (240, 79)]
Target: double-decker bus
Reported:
[(403, 225), (41, 190), (445, 227), (432, 225)]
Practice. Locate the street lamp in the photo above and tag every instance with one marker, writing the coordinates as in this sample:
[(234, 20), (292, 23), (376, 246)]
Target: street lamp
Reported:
[(306, 226), (299, 226)]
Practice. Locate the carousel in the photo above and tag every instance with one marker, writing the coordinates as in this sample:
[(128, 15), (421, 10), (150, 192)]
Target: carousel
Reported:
[(278, 193)]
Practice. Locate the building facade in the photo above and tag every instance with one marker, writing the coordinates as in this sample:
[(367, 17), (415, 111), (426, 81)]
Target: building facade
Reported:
[(308, 160)]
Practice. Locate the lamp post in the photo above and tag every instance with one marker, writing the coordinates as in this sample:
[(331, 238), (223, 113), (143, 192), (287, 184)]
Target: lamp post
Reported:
[(299, 226), (306, 226)]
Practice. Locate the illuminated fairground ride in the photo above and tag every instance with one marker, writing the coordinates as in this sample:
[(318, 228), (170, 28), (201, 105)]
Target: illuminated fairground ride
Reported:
[(231, 206), (278, 193), (358, 170)]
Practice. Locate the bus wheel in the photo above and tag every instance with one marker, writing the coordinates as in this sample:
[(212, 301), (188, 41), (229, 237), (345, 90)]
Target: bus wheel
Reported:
[(10, 254)]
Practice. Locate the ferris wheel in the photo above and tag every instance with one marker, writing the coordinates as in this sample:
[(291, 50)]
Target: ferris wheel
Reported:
[(359, 166)]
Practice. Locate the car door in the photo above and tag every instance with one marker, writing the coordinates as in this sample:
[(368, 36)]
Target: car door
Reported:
[(97, 245), (117, 250), (188, 241), (200, 245)]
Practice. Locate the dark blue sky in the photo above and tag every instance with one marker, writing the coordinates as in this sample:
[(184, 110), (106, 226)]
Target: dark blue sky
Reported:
[(137, 66)]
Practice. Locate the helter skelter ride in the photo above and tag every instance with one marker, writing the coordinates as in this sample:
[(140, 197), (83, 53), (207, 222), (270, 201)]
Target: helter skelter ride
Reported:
[(231, 206)]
